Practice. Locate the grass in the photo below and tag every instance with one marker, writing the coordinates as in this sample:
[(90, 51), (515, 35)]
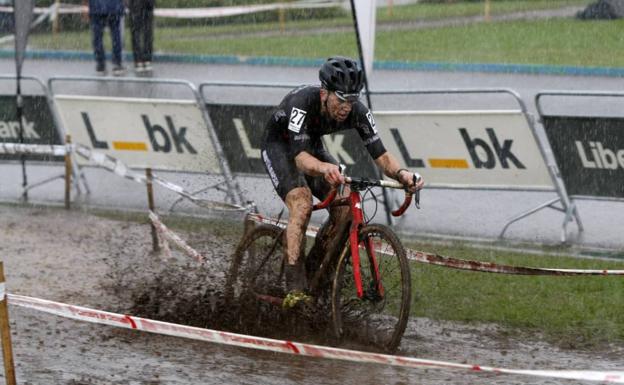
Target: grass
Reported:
[(574, 312), (548, 42)]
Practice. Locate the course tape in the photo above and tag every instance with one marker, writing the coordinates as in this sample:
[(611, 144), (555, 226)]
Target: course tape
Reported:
[(191, 13), (173, 237), (119, 168), (288, 347), (37, 149), (456, 263)]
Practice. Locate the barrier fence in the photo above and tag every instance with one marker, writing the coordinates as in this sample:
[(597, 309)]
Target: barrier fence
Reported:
[(171, 125), (589, 150), (150, 129)]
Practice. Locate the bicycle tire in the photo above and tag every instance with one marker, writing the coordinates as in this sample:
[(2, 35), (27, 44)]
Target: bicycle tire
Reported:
[(386, 315), (254, 247)]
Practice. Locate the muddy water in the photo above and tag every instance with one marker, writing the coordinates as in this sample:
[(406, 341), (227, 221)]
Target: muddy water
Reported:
[(83, 259)]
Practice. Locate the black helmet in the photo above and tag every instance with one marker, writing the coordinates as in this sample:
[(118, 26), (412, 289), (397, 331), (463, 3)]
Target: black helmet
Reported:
[(342, 74)]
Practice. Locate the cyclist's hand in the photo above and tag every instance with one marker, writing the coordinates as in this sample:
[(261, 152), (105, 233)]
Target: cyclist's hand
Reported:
[(407, 179), (332, 174)]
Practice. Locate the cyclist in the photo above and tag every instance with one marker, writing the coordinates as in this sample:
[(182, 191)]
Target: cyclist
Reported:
[(298, 164)]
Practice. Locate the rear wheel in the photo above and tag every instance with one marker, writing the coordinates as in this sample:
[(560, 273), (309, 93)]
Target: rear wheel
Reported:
[(380, 315)]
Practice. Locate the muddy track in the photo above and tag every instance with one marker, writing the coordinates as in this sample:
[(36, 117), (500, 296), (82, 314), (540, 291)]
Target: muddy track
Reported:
[(79, 258)]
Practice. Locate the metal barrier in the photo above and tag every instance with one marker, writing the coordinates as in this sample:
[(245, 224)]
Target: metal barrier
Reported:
[(56, 137), (577, 139), (248, 100), (152, 90)]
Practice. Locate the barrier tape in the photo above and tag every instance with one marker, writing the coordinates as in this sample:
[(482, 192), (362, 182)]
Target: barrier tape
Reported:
[(36, 149), (311, 231), (170, 235), (456, 263), (190, 13), (287, 347), (2, 291), (119, 168)]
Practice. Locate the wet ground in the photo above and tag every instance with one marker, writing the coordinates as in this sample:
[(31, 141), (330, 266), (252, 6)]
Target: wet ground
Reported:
[(83, 259)]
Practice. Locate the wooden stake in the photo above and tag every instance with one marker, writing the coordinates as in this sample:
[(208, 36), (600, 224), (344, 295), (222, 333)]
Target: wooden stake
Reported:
[(487, 11), (68, 174), (7, 350), (150, 203)]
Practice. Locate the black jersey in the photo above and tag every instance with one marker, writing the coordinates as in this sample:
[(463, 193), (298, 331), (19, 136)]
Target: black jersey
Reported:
[(298, 121)]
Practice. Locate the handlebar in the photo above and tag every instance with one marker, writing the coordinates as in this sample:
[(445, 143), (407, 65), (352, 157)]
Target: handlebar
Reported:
[(359, 184)]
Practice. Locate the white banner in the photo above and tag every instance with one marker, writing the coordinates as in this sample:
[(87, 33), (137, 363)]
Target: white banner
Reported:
[(483, 149), (142, 133), (366, 11)]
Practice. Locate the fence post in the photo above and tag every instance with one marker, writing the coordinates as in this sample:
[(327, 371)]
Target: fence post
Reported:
[(150, 203), (68, 172), (7, 351)]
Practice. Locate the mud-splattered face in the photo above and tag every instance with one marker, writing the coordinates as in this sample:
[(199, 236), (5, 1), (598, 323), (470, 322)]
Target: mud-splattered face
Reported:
[(337, 109)]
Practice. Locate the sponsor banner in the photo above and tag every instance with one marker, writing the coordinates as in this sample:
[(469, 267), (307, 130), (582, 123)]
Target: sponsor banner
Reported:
[(590, 154), (475, 149), (37, 122), (156, 133), (240, 129)]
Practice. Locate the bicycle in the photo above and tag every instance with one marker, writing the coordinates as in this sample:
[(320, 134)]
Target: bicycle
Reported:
[(374, 288)]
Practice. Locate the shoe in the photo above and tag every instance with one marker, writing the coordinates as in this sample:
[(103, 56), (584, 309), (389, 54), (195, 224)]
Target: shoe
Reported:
[(119, 70), (139, 67), (296, 298), (100, 69), (147, 65)]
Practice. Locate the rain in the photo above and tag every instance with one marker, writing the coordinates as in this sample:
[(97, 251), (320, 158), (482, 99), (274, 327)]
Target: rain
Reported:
[(511, 110)]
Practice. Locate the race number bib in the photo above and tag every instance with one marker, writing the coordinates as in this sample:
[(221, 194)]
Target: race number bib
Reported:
[(297, 117)]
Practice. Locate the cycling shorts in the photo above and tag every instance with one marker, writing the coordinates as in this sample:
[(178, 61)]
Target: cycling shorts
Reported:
[(284, 174)]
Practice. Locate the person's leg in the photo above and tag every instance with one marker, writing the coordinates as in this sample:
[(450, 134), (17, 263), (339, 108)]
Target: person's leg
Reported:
[(97, 30), (135, 34), (114, 23), (291, 186), (148, 34)]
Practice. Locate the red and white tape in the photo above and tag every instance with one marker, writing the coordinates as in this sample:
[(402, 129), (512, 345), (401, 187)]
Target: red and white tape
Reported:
[(456, 263), (288, 347), (119, 168), (173, 237)]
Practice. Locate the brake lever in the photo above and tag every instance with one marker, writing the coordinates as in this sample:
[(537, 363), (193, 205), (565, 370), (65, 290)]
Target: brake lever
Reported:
[(342, 169), (417, 179)]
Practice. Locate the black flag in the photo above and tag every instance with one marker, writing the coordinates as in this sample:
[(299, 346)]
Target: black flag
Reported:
[(23, 10)]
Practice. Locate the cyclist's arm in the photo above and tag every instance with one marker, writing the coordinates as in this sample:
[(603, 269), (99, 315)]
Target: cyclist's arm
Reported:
[(310, 165), (391, 166)]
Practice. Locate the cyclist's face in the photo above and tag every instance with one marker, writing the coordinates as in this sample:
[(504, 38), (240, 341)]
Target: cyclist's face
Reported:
[(338, 109)]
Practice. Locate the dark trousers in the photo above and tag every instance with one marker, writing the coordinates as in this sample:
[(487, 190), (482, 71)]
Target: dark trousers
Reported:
[(142, 30), (98, 23)]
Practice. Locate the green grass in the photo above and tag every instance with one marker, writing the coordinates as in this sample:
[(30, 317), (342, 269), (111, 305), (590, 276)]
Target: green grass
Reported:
[(574, 312), (549, 42), (555, 42)]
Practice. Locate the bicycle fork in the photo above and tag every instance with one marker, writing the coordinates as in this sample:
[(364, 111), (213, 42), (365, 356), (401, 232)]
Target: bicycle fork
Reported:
[(354, 242)]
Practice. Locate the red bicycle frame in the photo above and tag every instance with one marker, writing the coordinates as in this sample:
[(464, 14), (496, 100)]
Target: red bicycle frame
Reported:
[(357, 221)]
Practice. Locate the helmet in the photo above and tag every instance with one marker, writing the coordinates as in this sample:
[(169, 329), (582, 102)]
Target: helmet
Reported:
[(342, 74)]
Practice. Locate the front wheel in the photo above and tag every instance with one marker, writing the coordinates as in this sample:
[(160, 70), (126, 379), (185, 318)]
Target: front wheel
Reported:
[(381, 313)]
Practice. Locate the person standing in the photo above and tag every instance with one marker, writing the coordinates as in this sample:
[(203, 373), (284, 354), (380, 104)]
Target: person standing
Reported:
[(142, 31), (103, 13)]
